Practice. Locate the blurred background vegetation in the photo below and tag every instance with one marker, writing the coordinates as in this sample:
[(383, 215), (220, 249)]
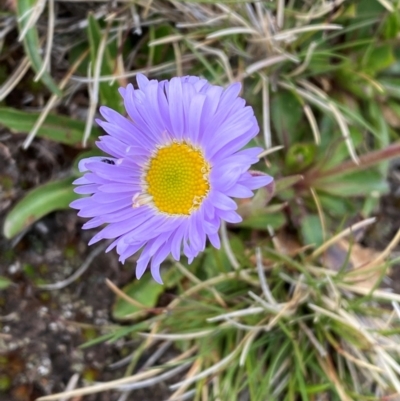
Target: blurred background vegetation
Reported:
[(301, 303)]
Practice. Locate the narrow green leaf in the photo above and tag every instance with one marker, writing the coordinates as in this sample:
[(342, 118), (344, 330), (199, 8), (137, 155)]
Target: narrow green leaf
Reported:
[(287, 182), (391, 26), (286, 115), (337, 152), (116, 333), (336, 206), (57, 128), (261, 221), (311, 229), (379, 121), (37, 203), (360, 183), (32, 44), (109, 95)]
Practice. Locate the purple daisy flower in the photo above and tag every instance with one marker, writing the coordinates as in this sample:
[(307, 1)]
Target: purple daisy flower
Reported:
[(173, 167)]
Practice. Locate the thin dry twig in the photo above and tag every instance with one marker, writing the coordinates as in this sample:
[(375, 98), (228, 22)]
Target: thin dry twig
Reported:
[(85, 265), (124, 296), (113, 384), (348, 231), (15, 78)]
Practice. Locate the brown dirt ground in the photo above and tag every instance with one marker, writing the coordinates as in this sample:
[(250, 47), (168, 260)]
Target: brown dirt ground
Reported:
[(41, 331)]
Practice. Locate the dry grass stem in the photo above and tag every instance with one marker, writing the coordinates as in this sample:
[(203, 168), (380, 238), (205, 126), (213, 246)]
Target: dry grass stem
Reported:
[(270, 151), (383, 255), (344, 129), (94, 89), (227, 247), (71, 385), (348, 231), (247, 345), (154, 380), (124, 296), (232, 31), (34, 14), (259, 65), (237, 313), (320, 212), (263, 281), (313, 123), (194, 369), (207, 372), (388, 5), (303, 66), (114, 384), (266, 111), (165, 40), (15, 78), (326, 8), (318, 346), (52, 101), (179, 336), (78, 273)]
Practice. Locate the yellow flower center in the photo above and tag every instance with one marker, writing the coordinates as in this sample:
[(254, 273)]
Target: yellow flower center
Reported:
[(177, 178)]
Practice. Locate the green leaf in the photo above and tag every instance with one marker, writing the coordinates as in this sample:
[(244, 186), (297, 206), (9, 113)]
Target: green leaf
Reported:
[(4, 283), (311, 230), (32, 44), (109, 95), (286, 114), (380, 58), (335, 206), (360, 183), (287, 182), (37, 203), (391, 26), (371, 205), (379, 121), (57, 128), (262, 221), (369, 7), (338, 151), (162, 53)]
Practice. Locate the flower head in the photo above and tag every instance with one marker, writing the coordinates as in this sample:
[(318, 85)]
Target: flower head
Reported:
[(174, 165)]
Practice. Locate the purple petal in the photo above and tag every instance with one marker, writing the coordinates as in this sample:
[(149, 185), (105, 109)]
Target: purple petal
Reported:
[(176, 107), (187, 109), (258, 182), (142, 81), (229, 216), (222, 201), (215, 241)]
